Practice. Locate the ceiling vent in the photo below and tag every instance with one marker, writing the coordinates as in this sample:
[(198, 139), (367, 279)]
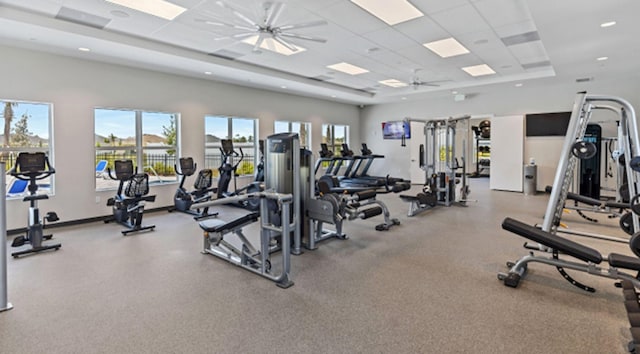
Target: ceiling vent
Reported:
[(584, 79), (521, 38), (538, 64), (82, 18)]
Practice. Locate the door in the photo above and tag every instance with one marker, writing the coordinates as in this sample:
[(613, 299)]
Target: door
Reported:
[(507, 145), (417, 139)]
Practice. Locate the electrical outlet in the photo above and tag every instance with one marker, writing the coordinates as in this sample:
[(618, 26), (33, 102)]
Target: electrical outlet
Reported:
[(98, 199)]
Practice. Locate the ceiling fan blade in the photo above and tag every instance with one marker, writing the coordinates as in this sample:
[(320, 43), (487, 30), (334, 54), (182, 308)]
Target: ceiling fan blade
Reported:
[(299, 36), (259, 41), (228, 25), (237, 14), (288, 45), (242, 35), (272, 13), (303, 25)]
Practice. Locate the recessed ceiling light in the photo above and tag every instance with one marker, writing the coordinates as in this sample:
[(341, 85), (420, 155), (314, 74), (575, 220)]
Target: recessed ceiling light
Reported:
[(159, 8), (274, 46), (602, 58), (454, 92), (403, 98), (479, 70), (393, 83), (391, 12), (518, 84), (283, 87), (608, 24), (83, 49), (348, 68), (207, 72), (448, 47), (334, 96)]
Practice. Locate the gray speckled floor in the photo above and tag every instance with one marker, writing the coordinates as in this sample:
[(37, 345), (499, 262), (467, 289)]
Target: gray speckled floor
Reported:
[(426, 286)]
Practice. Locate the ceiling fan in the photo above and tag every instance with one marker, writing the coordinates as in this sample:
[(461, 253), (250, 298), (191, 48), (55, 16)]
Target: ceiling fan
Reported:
[(266, 26), (416, 82)]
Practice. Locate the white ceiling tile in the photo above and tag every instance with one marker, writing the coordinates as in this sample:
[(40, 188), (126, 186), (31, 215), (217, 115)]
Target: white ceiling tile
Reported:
[(352, 17), (529, 52), (433, 6), (515, 28), (422, 30), (390, 38), (461, 20), (503, 12)]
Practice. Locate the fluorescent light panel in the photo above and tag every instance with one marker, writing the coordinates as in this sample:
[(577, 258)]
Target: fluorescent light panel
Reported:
[(393, 83), (274, 46), (391, 12), (602, 58), (348, 68), (479, 70), (159, 8), (608, 24), (446, 48)]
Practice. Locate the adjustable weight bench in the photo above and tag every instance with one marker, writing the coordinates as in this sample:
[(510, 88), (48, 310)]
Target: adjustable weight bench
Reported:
[(559, 245), (613, 209)]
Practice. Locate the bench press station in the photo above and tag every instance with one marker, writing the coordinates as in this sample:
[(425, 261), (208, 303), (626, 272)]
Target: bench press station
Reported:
[(546, 238)]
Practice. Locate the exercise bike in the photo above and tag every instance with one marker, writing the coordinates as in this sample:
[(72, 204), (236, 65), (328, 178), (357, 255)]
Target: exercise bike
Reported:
[(228, 171), (202, 192), (128, 208), (33, 167)]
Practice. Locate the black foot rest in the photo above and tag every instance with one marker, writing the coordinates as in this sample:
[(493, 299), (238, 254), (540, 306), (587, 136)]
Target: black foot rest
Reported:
[(622, 261), (563, 245), (617, 205), (408, 198), (579, 198), (217, 225)]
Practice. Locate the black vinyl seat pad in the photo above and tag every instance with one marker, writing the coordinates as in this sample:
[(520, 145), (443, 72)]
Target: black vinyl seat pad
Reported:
[(622, 261), (563, 245), (217, 225)]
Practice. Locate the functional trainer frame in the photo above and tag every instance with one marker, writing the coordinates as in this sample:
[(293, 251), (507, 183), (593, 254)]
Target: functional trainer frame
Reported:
[(546, 236)]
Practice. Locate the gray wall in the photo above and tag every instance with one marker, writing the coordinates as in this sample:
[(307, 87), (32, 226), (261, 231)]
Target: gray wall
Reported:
[(75, 87)]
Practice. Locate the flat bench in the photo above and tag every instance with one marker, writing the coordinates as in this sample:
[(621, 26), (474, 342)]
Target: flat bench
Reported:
[(568, 247)]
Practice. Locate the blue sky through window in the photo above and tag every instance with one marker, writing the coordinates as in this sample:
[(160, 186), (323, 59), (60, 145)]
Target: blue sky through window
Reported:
[(38, 122)]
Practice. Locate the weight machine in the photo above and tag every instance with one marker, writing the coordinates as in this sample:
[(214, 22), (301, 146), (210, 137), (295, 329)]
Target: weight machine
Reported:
[(438, 160), (573, 149)]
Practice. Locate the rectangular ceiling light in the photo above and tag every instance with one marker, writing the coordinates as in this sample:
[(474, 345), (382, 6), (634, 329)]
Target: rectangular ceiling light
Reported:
[(159, 8), (479, 70), (390, 11), (393, 83), (445, 48), (274, 46), (348, 68)]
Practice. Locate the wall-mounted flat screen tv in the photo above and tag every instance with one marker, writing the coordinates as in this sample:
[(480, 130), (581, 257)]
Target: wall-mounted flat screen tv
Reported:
[(548, 124), (396, 130)]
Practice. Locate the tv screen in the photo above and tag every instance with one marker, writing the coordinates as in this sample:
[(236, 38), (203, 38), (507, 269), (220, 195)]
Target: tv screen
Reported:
[(548, 124), (396, 130)]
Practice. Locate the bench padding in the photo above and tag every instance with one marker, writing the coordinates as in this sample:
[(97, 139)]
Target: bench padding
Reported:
[(622, 261), (217, 225), (563, 245)]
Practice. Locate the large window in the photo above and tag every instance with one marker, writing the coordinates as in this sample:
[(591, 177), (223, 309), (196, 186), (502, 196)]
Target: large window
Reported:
[(242, 131), (302, 128), (150, 139), (334, 136), (27, 127)]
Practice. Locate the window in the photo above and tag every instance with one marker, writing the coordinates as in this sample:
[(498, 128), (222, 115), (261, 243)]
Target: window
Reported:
[(27, 127), (302, 128), (334, 136), (150, 139), (243, 133)]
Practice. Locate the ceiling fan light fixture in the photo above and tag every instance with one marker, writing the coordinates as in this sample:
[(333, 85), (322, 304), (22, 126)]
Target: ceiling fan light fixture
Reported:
[(448, 47), (393, 83), (158, 8), (348, 68), (272, 45), (391, 12)]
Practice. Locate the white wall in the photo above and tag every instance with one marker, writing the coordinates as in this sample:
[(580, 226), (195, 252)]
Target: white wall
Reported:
[(499, 100), (76, 87)]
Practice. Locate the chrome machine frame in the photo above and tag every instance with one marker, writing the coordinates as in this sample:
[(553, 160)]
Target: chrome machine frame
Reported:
[(5, 305)]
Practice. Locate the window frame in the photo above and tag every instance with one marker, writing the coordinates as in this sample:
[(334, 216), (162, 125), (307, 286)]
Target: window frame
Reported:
[(331, 145), (230, 135), (308, 126)]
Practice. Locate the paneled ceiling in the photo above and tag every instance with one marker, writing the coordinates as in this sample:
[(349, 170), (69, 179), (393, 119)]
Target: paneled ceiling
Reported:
[(522, 41)]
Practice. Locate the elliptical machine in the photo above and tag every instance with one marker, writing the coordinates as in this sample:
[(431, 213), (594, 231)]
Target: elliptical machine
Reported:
[(128, 208), (183, 199), (228, 170), (33, 167)]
